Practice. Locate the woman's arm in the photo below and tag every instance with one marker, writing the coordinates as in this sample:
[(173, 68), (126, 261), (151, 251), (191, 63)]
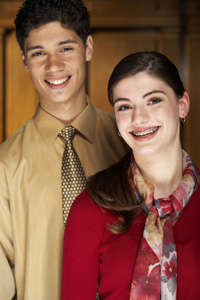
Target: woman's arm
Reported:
[(81, 250)]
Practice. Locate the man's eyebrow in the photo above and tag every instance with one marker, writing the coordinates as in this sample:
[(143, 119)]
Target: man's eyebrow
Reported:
[(59, 44), (152, 92), (33, 48), (67, 42)]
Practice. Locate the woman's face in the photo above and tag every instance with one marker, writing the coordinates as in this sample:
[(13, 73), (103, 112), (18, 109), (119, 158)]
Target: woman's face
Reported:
[(148, 114)]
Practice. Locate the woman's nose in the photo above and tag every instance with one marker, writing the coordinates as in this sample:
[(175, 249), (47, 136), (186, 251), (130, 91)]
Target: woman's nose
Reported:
[(140, 116)]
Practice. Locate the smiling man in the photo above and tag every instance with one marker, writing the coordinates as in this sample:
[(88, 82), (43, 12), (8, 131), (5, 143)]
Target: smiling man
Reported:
[(55, 41)]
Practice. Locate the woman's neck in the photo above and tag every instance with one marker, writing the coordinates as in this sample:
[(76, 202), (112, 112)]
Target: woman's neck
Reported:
[(164, 173)]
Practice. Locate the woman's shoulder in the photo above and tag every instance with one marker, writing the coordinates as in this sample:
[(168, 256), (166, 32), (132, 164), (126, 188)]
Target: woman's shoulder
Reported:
[(85, 204), (85, 210), (83, 200), (187, 228)]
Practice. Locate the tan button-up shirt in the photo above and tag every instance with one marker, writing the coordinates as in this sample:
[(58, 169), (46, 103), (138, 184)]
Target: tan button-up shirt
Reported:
[(31, 222)]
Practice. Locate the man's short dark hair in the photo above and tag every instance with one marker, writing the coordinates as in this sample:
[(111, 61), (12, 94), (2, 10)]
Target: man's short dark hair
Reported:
[(71, 14)]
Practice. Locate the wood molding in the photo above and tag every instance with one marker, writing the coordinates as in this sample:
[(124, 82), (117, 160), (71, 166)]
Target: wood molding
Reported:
[(125, 13), (1, 86)]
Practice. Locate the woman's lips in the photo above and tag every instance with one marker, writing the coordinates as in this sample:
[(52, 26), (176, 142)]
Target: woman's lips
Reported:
[(144, 134)]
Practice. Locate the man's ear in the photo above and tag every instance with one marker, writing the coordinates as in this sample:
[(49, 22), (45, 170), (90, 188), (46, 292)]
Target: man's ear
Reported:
[(89, 48), (24, 61), (184, 105)]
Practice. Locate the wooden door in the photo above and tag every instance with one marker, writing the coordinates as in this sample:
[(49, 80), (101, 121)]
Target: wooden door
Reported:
[(110, 47), (20, 94)]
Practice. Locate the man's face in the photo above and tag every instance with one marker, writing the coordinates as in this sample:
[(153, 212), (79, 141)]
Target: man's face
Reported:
[(56, 59)]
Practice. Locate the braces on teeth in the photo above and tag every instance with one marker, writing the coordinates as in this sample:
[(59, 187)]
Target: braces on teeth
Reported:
[(144, 132)]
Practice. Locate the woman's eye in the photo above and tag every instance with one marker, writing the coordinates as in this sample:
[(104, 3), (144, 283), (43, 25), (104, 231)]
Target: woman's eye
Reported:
[(155, 101), (123, 107)]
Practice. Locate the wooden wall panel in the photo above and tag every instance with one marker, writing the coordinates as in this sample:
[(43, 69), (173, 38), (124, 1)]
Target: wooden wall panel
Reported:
[(21, 98), (1, 85), (192, 75), (110, 47), (129, 13), (169, 45)]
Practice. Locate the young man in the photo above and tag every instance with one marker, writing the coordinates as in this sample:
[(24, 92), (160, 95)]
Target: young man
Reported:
[(54, 37)]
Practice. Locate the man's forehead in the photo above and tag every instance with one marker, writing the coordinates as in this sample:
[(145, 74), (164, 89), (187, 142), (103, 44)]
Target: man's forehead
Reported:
[(52, 34)]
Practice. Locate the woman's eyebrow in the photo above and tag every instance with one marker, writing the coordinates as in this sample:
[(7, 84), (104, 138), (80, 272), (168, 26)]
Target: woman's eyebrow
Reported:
[(121, 99), (152, 92)]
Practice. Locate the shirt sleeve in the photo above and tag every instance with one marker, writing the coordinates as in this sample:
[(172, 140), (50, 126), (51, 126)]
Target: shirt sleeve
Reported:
[(7, 283), (81, 250)]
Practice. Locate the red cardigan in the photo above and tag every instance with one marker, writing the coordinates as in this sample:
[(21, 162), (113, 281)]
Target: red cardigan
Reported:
[(93, 254)]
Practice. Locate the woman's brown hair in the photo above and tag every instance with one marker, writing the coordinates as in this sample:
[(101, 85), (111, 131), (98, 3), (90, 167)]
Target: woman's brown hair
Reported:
[(111, 189)]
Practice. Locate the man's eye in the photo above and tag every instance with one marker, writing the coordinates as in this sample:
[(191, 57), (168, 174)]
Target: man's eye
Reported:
[(155, 101), (37, 54), (66, 49)]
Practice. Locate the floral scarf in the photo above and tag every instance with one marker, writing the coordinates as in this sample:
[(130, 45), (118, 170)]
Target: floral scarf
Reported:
[(155, 271)]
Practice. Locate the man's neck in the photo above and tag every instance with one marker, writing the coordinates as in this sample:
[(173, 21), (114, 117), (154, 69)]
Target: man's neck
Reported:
[(66, 112)]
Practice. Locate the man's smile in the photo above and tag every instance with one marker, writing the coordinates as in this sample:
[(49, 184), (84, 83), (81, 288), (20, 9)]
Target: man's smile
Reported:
[(58, 81)]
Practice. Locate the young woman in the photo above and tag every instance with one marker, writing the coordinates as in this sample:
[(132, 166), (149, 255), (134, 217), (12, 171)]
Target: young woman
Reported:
[(135, 232)]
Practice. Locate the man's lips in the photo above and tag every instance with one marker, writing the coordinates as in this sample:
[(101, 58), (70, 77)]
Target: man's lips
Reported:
[(145, 132), (57, 82)]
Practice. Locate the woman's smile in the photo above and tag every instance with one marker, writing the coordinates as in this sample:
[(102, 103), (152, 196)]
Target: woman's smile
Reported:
[(142, 133)]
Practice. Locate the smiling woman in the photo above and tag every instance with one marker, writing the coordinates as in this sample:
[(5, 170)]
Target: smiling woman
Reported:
[(137, 219)]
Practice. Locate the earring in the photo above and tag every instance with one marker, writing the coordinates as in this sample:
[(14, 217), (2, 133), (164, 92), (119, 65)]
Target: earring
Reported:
[(119, 134), (183, 120)]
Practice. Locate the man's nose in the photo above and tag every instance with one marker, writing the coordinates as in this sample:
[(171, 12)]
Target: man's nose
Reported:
[(54, 63)]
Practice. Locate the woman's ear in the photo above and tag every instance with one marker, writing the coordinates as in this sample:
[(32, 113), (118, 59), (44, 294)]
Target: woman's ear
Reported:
[(89, 48), (184, 105)]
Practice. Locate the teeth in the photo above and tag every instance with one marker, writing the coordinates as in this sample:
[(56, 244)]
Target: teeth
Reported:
[(56, 82), (142, 133)]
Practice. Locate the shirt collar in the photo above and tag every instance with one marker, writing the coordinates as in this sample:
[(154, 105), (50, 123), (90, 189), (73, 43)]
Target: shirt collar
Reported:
[(85, 123), (49, 126)]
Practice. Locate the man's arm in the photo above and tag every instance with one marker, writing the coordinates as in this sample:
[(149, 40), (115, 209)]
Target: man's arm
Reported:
[(7, 282)]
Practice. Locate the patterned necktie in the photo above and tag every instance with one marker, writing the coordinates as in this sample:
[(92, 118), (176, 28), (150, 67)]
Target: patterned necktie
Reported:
[(73, 178)]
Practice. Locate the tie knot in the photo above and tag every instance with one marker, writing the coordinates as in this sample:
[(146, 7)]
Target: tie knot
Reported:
[(67, 133)]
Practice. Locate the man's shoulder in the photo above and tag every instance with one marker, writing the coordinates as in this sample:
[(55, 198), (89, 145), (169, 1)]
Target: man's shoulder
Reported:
[(104, 113), (105, 116), (14, 141), (106, 124)]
